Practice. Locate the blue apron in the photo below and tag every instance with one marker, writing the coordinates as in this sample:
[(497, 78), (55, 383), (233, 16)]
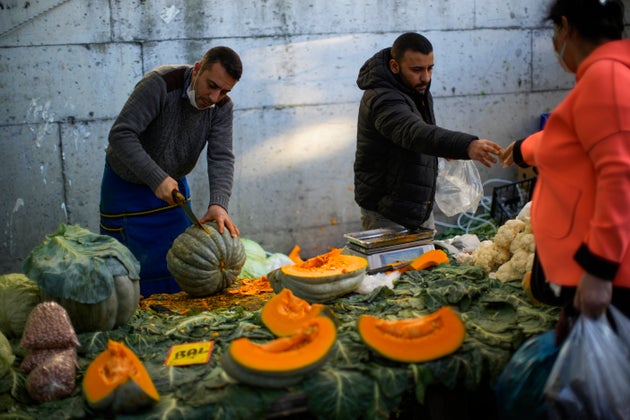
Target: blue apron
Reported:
[(145, 224)]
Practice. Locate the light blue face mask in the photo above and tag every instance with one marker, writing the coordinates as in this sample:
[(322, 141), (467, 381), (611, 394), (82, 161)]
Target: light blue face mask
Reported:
[(190, 92), (560, 57)]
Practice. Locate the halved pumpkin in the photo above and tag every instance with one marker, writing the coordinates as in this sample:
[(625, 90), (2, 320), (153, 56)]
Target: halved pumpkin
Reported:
[(321, 278), (414, 340), (116, 380), (285, 313), (284, 361)]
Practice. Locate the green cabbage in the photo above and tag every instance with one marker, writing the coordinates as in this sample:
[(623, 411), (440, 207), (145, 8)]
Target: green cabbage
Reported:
[(18, 296), (74, 263), (255, 261)]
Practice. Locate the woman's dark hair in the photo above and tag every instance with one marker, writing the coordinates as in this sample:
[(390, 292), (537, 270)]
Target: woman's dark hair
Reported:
[(410, 41), (228, 58), (595, 20)]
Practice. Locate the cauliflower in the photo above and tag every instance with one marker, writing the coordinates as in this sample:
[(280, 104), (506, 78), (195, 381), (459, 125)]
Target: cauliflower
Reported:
[(510, 254), (489, 256), (525, 241), (506, 233), (522, 249), (514, 269)]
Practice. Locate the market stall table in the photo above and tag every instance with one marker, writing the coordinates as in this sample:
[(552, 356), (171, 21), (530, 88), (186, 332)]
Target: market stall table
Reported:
[(354, 382)]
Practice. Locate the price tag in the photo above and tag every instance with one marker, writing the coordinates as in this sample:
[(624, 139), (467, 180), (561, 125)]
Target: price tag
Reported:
[(189, 353)]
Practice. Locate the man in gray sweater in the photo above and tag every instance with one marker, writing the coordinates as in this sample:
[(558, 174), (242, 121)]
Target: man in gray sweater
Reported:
[(172, 114)]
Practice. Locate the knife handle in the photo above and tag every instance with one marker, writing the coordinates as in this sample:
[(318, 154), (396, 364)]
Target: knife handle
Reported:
[(178, 197)]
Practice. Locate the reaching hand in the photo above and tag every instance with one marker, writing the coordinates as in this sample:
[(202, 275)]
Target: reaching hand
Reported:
[(221, 216), (484, 151), (507, 156)]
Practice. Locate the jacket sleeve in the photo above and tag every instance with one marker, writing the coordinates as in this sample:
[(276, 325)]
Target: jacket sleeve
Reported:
[(396, 118), (220, 156), (523, 151)]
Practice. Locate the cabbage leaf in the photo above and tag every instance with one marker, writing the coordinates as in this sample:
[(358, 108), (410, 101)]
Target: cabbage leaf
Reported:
[(18, 296), (74, 263)]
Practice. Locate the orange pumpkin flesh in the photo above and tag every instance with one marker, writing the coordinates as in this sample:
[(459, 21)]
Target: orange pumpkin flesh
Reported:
[(284, 313), (326, 267), (305, 347), (426, 260), (414, 340), (294, 255), (117, 380)]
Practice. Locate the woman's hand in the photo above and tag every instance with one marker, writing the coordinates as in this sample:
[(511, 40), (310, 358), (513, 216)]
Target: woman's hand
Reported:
[(507, 156), (593, 295)]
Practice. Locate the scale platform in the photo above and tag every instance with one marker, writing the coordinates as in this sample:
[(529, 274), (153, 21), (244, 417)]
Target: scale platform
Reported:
[(387, 246)]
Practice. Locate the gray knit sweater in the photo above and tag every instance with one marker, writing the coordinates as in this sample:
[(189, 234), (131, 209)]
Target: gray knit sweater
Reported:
[(159, 133)]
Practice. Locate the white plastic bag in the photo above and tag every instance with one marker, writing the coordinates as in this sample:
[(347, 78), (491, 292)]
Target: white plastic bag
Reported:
[(459, 187), (591, 376)]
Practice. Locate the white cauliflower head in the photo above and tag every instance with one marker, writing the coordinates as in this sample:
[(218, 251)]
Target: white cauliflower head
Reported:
[(507, 232)]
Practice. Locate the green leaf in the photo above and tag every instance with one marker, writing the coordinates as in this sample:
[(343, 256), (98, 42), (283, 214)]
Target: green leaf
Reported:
[(338, 394)]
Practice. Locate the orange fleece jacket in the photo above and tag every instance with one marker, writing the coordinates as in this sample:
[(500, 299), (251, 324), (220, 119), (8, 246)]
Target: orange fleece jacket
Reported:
[(581, 204)]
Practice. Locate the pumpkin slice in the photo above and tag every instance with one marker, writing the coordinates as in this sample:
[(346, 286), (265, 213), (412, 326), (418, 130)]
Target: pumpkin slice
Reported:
[(285, 313), (414, 340), (426, 260), (294, 255), (117, 380), (282, 362), (321, 278)]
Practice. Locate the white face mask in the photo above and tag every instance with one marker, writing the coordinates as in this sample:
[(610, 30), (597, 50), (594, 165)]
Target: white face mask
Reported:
[(560, 57), (193, 98)]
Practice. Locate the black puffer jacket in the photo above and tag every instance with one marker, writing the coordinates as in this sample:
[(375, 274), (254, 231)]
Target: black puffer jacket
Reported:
[(395, 166)]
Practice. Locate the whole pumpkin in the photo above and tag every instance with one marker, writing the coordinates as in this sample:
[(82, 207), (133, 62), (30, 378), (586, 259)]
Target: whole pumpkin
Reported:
[(204, 263)]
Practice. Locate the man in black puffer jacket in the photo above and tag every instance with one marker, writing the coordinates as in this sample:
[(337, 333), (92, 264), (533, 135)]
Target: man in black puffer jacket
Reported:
[(398, 143)]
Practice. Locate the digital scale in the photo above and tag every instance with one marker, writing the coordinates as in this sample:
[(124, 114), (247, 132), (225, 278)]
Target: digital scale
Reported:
[(389, 246)]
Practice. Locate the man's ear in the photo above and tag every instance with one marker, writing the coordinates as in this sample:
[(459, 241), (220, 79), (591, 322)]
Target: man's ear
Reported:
[(196, 68), (393, 66)]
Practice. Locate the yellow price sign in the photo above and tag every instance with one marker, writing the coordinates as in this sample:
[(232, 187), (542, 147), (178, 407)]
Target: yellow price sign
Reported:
[(189, 353)]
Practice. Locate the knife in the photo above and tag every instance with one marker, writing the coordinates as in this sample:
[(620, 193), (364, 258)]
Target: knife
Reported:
[(180, 200)]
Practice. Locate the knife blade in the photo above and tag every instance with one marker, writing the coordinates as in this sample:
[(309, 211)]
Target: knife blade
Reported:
[(180, 200)]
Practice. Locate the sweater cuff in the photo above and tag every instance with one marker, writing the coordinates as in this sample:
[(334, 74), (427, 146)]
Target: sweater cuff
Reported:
[(596, 265), (517, 155), (154, 179), (219, 200)]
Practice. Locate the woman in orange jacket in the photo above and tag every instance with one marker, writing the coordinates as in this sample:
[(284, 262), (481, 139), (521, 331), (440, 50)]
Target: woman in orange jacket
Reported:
[(580, 211)]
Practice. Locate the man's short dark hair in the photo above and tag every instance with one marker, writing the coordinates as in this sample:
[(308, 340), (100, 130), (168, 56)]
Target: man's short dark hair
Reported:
[(410, 41), (228, 58)]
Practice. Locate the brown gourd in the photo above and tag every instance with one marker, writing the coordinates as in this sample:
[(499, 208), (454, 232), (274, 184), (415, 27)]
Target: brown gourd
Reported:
[(284, 361), (414, 340), (284, 313), (118, 382), (322, 278)]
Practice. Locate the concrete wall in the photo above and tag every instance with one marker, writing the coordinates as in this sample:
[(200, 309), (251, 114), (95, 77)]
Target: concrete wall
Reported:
[(67, 67)]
